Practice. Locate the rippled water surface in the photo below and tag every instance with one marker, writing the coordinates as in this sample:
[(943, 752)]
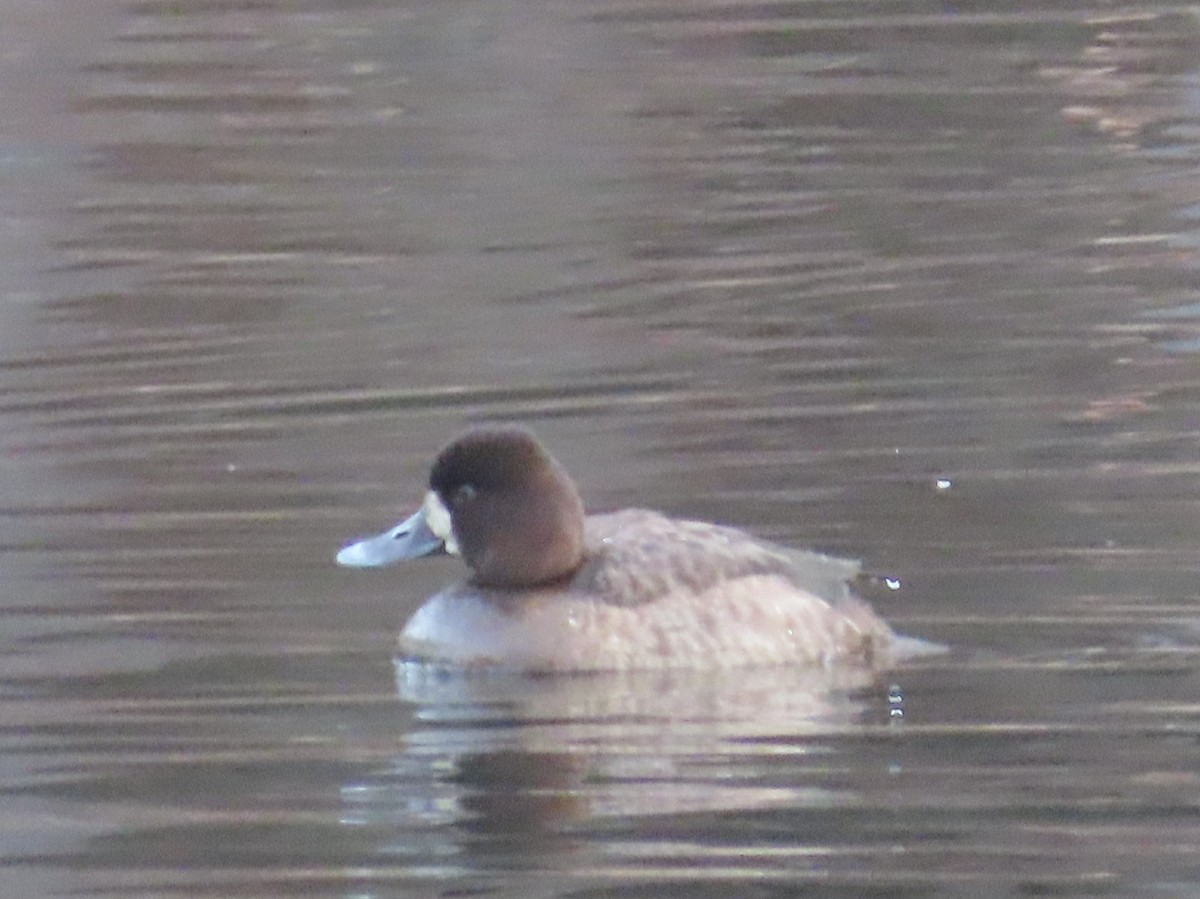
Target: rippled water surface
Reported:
[(909, 282)]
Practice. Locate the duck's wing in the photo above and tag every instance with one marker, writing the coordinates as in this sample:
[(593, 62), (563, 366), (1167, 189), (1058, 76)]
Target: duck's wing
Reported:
[(637, 556)]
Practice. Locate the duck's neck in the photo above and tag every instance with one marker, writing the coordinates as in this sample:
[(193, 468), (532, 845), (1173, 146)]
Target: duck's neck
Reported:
[(538, 540)]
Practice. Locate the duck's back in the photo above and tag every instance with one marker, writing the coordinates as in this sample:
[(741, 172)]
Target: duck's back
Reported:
[(637, 556), (655, 592)]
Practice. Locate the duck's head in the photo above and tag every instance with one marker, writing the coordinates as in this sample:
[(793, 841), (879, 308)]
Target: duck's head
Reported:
[(501, 501)]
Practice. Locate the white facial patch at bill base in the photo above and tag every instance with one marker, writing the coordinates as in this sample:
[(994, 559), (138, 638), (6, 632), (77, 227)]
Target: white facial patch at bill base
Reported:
[(437, 519)]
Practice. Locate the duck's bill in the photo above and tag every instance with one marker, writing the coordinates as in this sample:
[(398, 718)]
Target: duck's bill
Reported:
[(410, 539)]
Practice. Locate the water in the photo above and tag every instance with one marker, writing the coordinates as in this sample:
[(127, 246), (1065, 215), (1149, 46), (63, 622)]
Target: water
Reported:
[(911, 282)]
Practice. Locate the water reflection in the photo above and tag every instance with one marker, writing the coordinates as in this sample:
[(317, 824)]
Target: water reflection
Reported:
[(515, 771), (616, 744)]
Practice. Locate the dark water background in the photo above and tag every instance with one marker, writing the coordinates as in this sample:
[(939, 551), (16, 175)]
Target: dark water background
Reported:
[(783, 265)]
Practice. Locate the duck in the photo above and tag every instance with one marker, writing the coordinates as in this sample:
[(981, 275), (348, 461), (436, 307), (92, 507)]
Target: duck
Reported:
[(553, 589)]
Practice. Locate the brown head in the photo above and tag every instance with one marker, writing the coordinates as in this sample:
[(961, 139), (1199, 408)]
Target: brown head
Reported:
[(515, 512), (503, 502)]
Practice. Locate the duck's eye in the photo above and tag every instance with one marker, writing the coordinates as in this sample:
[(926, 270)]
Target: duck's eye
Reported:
[(462, 494)]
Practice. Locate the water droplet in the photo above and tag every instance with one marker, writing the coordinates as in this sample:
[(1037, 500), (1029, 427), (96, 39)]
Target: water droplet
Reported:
[(895, 698)]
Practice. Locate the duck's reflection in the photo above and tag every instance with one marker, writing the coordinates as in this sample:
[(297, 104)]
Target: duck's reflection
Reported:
[(513, 753)]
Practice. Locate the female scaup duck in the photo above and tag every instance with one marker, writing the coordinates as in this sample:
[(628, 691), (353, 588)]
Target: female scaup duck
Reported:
[(553, 590)]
